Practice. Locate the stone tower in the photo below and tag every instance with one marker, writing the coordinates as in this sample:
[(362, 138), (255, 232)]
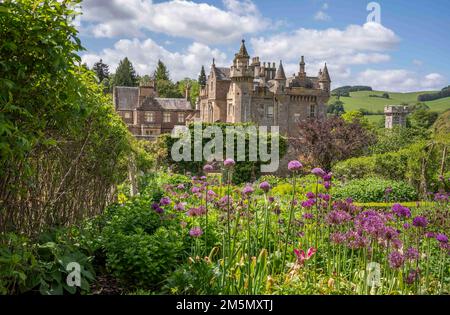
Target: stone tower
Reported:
[(241, 75), (395, 115), (324, 79)]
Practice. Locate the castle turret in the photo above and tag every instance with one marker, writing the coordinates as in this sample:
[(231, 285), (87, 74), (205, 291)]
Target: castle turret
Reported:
[(324, 79), (280, 78), (302, 73), (241, 75)]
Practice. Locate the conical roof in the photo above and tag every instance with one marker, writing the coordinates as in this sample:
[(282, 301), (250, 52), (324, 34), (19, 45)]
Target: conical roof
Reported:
[(325, 74), (280, 75), (243, 50)]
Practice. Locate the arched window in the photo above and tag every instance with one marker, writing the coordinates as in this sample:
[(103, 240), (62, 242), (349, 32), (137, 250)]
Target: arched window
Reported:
[(312, 111)]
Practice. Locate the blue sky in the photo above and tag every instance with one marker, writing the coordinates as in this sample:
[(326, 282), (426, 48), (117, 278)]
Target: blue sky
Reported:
[(406, 51)]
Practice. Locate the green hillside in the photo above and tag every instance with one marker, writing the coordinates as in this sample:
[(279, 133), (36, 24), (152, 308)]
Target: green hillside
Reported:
[(361, 99)]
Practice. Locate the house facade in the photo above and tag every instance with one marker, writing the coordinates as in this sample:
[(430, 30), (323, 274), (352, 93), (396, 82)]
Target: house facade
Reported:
[(147, 115)]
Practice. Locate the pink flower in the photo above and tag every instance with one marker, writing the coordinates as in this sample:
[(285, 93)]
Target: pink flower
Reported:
[(318, 172), (301, 256), (208, 168), (294, 165), (265, 186), (196, 232), (229, 163)]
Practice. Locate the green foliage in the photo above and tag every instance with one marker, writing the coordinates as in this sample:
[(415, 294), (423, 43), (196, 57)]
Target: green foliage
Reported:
[(125, 74), (161, 72), (43, 266), (101, 70), (167, 88), (244, 171), (193, 88), (197, 278), (373, 190), (396, 138), (423, 118), (445, 92), (62, 146), (336, 108), (202, 77), (141, 259), (406, 164)]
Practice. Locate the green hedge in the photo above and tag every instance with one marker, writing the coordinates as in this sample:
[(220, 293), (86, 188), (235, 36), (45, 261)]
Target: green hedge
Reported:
[(373, 190), (245, 171), (403, 165)]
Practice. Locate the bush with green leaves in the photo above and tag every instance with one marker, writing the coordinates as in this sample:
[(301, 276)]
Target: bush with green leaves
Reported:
[(374, 190), (244, 171), (143, 260)]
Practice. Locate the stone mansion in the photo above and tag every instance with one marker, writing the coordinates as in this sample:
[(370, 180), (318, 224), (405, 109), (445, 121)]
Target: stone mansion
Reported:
[(261, 93), (246, 92)]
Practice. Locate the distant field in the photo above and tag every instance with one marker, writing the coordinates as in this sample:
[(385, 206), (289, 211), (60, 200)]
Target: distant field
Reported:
[(374, 104), (374, 118)]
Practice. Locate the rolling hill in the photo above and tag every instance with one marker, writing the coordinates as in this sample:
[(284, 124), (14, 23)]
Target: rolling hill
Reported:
[(361, 99)]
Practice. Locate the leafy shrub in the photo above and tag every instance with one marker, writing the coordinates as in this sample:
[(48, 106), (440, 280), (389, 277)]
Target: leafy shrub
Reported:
[(143, 260), (42, 266), (373, 190), (196, 278)]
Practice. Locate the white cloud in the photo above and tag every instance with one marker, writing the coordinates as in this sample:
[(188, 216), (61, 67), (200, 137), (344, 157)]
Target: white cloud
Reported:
[(145, 54), (181, 18), (321, 16), (325, 6), (400, 80)]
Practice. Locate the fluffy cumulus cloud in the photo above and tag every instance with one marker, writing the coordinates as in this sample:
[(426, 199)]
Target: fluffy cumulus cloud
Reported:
[(145, 54), (201, 22), (341, 48), (400, 80)]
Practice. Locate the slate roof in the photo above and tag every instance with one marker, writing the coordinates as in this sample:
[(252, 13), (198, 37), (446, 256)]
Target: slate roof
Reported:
[(126, 98), (222, 74)]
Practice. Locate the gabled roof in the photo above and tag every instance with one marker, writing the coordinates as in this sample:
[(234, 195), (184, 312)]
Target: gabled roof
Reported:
[(222, 74), (127, 98)]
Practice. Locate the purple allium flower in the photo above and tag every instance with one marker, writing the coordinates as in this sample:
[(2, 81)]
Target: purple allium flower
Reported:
[(203, 178), (265, 186), (338, 217), (308, 216), (430, 235), (196, 212), (196, 232), (194, 177), (406, 226), (208, 168), (155, 206), (318, 172), (164, 201), (195, 189), (271, 199), (327, 185), (229, 163), (310, 195), (396, 259), (441, 197), (420, 222), (388, 190), (401, 211), (325, 197), (413, 275), (308, 203), (180, 206), (412, 254), (349, 200), (442, 238), (327, 177), (211, 193), (180, 186), (337, 238), (248, 190), (159, 210), (294, 165)]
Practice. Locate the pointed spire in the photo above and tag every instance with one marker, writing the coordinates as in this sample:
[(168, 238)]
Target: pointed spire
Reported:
[(214, 62), (325, 74), (280, 75), (243, 50), (302, 66)]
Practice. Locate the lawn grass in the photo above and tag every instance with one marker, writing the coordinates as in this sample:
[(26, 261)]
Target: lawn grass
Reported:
[(362, 99)]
